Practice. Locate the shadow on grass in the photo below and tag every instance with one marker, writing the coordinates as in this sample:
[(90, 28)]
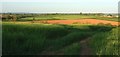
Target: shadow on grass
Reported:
[(33, 39)]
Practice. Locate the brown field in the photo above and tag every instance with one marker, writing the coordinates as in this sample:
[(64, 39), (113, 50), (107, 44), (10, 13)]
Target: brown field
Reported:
[(83, 21)]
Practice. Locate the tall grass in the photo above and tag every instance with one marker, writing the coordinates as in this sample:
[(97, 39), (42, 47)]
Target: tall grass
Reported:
[(27, 39), (106, 43), (73, 49), (34, 38)]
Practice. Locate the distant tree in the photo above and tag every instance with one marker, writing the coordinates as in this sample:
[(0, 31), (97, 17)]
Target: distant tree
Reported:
[(109, 14), (9, 13), (18, 17), (33, 19), (10, 17), (80, 13)]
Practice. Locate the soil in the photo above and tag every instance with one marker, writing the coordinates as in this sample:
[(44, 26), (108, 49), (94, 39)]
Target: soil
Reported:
[(82, 21), (85, 49), (78, 21)]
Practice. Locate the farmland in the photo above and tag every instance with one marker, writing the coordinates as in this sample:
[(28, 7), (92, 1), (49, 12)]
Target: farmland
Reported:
[(38, 36), (56, 16), (68, 17)]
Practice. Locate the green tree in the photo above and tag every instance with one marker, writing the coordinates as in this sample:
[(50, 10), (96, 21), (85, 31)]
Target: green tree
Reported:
[(80, 13)]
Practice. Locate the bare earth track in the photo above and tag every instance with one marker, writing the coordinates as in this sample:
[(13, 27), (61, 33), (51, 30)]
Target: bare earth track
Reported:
[(85, 49)]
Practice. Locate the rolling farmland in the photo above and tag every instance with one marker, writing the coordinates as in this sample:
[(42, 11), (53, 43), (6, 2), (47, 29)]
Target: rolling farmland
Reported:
[(61, 35)]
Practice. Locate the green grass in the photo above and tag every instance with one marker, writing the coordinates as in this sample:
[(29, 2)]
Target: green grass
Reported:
[(73, 49), (67, 17), (109, 19), (58, 17), (106, 43), (35, 38)]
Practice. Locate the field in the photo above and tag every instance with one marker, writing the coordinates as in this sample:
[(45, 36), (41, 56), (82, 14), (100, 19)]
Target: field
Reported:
[(68, 17), (54, 35)]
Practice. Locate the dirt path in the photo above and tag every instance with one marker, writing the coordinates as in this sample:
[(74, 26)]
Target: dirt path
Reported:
[(85, 49)]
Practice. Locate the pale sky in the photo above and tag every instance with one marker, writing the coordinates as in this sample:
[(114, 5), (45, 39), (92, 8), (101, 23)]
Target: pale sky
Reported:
[(103, 6)]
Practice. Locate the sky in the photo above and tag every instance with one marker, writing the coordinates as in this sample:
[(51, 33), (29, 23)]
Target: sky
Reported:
[(46, 6)]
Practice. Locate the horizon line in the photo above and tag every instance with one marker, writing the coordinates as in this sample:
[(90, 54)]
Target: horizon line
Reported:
[(58, 12)]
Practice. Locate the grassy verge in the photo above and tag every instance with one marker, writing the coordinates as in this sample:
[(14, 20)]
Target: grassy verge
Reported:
[(106, 43)]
